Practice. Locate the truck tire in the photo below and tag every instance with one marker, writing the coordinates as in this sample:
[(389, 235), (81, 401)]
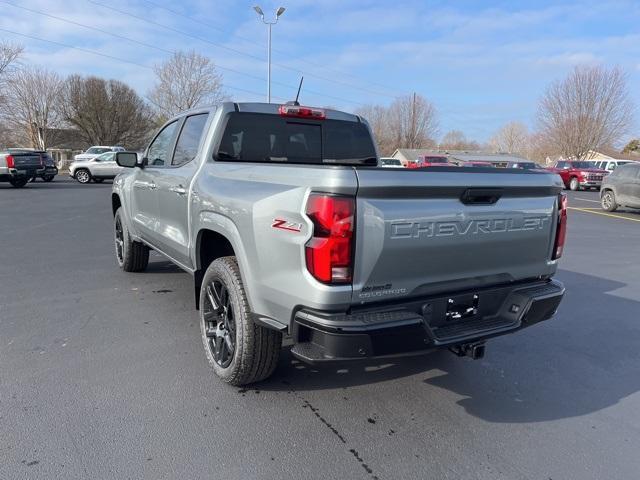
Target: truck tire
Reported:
[(608, 201), (19, 182), (83, 175), (239, 351), (48, 178), (131, 256), (574, 184)]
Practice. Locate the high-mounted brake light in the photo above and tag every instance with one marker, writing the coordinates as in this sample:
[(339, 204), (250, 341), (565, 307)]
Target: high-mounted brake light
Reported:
[(301, 112), (561, 229), (329, 251), (10, 162)]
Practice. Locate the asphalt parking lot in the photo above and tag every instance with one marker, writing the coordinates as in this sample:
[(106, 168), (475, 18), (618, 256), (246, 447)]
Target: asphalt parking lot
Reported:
[(102, 373)]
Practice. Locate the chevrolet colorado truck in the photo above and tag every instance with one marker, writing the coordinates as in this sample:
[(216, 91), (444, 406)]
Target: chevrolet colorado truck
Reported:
[(579, 175), (289, 227)]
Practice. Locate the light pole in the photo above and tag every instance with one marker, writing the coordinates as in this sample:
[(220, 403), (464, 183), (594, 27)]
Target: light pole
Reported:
[(279, 12)]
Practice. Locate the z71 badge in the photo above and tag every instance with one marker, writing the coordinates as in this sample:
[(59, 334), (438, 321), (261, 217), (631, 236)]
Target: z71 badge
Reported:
[(286, 225)]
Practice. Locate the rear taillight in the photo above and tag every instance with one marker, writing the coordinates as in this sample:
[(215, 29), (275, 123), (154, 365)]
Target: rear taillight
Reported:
[(329, 251), (10, 162), (561, 229), (301, 112)]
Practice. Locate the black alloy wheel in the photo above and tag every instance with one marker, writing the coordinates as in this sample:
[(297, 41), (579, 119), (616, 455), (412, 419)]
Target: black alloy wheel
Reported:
[(219, 323)]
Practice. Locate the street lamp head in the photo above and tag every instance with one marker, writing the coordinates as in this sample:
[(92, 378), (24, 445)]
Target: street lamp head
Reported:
[(280, 11), (259, 11)]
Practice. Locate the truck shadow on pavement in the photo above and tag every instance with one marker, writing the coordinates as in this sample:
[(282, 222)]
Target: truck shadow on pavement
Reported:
[(583, 360)]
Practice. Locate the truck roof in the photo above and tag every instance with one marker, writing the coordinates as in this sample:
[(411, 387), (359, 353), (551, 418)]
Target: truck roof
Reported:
[(271, 108)]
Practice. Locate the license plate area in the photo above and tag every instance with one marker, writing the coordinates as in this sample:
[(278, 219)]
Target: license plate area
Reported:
[(453, 309)]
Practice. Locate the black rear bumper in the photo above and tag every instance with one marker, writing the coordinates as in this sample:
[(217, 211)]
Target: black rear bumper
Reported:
[(424, 324)]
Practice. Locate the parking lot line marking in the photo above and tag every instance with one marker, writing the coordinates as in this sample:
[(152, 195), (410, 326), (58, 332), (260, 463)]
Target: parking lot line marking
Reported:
[(589, 210), (587, 200)]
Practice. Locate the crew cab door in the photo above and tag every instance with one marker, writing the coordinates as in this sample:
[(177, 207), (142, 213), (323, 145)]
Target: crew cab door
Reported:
[(173, 190), (145, 184)]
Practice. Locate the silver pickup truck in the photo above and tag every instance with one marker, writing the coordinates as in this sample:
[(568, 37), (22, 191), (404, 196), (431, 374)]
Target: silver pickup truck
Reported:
[(289, 227)]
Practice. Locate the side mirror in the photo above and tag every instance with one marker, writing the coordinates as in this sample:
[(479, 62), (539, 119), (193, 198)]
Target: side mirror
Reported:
[(127, 159)]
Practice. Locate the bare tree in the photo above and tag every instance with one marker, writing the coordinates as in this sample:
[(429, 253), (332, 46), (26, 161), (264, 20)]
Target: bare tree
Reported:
[(105, 112), (9, 54), (413, 122), (30, 109), (378, 118), (186, 80), (457, 140), (588, 109), (512, 138)]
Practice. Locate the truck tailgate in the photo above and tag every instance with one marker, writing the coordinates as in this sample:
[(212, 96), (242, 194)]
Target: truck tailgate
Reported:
[(422, 232)]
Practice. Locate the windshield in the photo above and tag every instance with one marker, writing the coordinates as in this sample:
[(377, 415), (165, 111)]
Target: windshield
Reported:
[(258, 137), (527, 165), (580, 165), (97, 150)]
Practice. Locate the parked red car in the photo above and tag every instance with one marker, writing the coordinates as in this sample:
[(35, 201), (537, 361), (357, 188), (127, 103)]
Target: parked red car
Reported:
[(429, 161), (578, 175)]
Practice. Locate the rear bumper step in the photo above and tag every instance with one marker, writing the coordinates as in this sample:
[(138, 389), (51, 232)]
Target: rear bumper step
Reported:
[(422, 325)]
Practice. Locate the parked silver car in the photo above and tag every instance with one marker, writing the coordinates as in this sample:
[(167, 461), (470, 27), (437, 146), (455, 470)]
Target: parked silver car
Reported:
[(96, 150), (97, 169)]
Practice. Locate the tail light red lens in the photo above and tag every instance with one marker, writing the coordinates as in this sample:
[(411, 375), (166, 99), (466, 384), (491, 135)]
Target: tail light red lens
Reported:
[(10, 162), (301, 112), (561, 229), (329, 251)]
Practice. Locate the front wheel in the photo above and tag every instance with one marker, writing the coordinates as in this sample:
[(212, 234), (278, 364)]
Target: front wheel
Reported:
[(83, 176), (239, 351), (608, 201), (132, 256), (19, 182), (574, 184)]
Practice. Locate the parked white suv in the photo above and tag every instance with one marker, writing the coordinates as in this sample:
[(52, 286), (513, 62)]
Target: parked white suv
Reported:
[(610, 165), (96, 150), (97, 169)]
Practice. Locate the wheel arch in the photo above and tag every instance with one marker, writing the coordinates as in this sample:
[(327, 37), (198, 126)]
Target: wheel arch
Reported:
[(210, 245), (116, 203)]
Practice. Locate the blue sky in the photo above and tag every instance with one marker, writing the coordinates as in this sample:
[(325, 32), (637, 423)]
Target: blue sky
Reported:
[(481, 63)]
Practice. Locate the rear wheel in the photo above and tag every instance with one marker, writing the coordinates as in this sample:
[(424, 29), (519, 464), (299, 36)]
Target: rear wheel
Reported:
[(239, 351), (131, 256), (608, 201), (19, 182), (574, 184), (83, 176)]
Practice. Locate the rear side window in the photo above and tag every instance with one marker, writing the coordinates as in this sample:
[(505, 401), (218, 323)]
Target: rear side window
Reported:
[(189, 139), (256, 137)]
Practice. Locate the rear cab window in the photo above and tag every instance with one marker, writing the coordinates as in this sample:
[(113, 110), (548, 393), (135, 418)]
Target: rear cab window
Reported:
[(261, 137)]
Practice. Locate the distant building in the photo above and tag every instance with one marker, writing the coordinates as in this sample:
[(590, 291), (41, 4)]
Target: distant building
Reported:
[(407, 155), (65, 145)]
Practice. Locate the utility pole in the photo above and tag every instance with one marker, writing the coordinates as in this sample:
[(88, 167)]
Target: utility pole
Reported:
[(279, 12)]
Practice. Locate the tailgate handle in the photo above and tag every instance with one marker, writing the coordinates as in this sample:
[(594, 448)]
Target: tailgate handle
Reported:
[(481, 196)]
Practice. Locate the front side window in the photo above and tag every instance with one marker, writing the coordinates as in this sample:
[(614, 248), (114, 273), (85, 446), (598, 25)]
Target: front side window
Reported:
[(189, 139), (159, 153)]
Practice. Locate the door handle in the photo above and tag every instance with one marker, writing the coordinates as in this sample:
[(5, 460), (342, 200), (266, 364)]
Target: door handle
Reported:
[(179, 189), (144, 185)]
